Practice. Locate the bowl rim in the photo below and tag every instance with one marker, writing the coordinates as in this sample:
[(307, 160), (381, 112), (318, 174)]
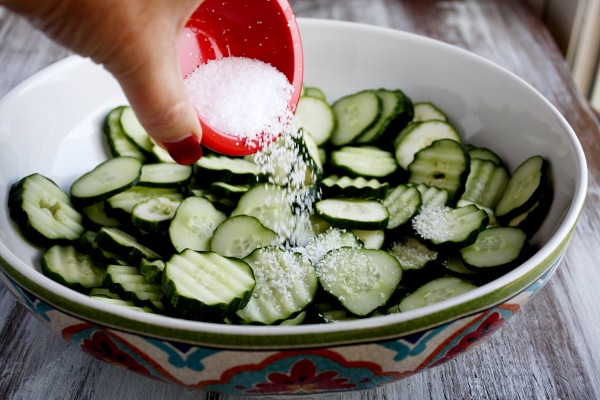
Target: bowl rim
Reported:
[(278, 337)]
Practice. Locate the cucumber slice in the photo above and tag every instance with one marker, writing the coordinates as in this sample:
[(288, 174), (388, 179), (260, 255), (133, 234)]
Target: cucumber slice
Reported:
[(118, 143), (120, 206), (444, 164), (207, 286), (130, 285), (359, 187), (286, 283), (529, 183), (402, 202), (235, 171), (353, 213), (315, 116), (496, 248), (366, 161), (450, 226), (427, 111), (361, 279), (240, 235), (331, 239), (43, 211), (154, 214), (165, 175), (69, 267), (433, 196), (435, 291), (355, 114), (270, 204), (110, 177), (226, 191), (485, 183), (483, 153), (394, 116), (314, 91), (125, 246), (134, 131), (417, 136), (372, 239), (193, 225)]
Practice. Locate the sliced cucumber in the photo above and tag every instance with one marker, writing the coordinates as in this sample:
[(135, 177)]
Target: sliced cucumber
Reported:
[(134, 131), (207, 286), (359, 187), (130, 285), (427, 111), (417, 136), (495, 248), (118, 143), (433, 196), (286, 283), (450, 226), (193, 225), (165, 175), (269, 204), (435, 291), (444, 164), (392, 107), (485, 183), (69, 267), (235, 171), (154, 214), (107, 179), (331, 239), (353, 213), (315, 116), (43, 211), (240, 235), (372, 239), (366, 161), (361, 279), (121, 205), (355, 114), (124, 246), (402, 202), (529, 182), (314, 92)]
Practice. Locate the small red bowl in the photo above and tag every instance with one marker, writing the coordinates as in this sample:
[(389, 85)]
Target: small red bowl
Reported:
[(264, 30)]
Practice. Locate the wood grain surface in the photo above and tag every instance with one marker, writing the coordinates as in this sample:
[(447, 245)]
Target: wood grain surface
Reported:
[(549, 350)]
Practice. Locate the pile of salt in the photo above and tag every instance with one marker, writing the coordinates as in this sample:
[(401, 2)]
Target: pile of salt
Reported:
[(242, 97), (249, 98)]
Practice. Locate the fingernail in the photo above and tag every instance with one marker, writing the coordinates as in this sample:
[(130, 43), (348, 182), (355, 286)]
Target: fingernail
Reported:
[(185, 151)]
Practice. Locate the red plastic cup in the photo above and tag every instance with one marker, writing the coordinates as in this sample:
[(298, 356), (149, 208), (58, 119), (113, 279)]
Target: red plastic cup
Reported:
[(264, 30)]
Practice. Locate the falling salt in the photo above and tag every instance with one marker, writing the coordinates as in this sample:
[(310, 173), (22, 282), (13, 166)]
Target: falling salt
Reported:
[(249, 98), (241, 96)]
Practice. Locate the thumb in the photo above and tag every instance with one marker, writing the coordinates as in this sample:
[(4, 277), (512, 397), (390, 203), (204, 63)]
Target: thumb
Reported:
[(156, 92)]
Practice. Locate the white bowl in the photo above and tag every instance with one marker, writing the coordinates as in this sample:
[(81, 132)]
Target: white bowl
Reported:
[(51, 124)]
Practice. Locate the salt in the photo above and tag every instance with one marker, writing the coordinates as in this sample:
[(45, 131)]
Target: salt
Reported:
[(241, 96)]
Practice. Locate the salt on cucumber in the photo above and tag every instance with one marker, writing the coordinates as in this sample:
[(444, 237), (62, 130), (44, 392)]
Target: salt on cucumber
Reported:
[(286, 283), (361, 279)]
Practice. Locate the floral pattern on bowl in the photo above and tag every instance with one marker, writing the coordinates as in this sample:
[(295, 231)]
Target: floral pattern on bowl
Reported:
[(275, 373)]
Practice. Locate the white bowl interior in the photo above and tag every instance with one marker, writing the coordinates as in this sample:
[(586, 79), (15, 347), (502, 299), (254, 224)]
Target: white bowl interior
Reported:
[(52, 122)]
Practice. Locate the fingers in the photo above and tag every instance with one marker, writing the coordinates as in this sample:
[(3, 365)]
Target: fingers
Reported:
[(148, 69), (157, 94)]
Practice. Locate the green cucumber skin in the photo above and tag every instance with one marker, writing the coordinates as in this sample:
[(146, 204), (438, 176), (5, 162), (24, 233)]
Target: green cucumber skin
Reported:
[(17, 212)]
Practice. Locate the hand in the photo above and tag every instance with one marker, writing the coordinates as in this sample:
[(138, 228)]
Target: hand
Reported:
[(136, 41)]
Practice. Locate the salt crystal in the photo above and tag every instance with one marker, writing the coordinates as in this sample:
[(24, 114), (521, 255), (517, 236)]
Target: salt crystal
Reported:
[(241, 96)]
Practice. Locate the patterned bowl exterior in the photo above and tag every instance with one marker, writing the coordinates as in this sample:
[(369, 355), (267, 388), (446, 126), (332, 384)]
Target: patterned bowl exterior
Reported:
[(273, 373)]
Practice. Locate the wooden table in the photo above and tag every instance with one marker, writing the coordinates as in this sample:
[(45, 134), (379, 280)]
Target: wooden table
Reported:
[(549, 350)]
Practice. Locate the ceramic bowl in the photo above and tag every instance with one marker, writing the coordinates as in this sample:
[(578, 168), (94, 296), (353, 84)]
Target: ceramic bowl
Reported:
[(51, 124)]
